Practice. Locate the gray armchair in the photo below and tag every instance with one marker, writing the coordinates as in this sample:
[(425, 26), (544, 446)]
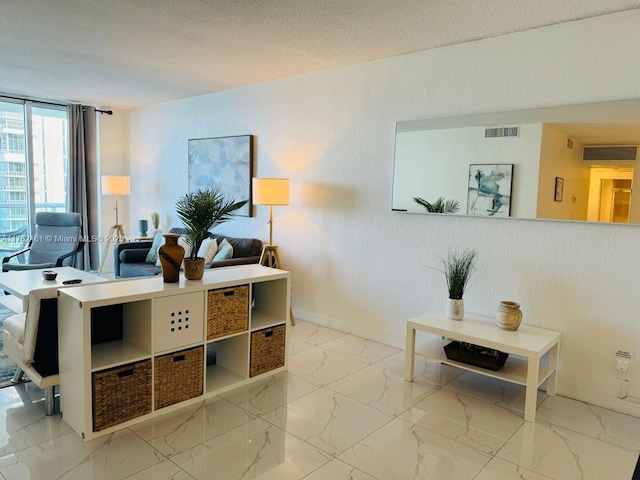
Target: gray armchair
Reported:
[(55, 243)]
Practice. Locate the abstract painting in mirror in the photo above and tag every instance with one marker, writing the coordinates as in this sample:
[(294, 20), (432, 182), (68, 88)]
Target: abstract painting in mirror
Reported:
[(507, 164)]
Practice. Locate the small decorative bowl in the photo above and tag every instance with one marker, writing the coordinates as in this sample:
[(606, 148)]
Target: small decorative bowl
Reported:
[(49, 274)]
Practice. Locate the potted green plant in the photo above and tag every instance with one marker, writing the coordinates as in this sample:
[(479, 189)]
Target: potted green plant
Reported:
[(457, 268), (200, 211), (439, 206)]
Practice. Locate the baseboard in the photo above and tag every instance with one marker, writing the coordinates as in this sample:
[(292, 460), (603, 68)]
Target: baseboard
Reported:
[(600, 399), (373, 336)]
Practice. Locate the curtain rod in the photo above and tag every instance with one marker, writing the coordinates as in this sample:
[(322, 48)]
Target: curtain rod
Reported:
[(33, 100), (44, 102)]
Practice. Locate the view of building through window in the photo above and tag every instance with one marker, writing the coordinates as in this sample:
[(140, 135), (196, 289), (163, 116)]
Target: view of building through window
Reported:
[(33, 167)]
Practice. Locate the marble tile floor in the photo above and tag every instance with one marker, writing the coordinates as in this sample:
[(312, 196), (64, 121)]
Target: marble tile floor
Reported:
[(342, 411)]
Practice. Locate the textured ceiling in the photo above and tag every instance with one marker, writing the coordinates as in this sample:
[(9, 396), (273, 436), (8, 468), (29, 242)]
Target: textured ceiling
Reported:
[(125, 54)]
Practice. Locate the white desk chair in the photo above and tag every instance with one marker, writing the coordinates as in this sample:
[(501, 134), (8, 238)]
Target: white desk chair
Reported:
[(30, 339)]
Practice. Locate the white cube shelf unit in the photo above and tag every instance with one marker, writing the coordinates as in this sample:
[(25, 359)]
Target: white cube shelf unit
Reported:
[(115, 332)]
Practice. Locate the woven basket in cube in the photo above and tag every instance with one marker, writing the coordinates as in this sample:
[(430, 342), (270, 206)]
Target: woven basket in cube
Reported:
[(121, 393), (267, 350), (227, 311), (178, 376)]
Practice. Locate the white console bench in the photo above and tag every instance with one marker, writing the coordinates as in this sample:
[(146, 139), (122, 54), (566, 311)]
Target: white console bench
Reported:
[(529, 342)]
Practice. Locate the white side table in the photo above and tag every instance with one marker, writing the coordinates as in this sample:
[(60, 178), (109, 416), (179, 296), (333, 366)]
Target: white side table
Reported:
[(529, 342)]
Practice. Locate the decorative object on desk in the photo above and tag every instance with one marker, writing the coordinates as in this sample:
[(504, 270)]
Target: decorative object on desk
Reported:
[(508, 315), (225, 164), (476, 355), (49, 275), (155, 221), (143, 226), (457, 269), (489, 191), (439, 206), (201, 211), (170, 255), (114, 185), (272, 192)]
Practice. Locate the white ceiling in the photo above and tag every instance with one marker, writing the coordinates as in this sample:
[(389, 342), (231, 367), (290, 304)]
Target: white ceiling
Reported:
[(129, 53)]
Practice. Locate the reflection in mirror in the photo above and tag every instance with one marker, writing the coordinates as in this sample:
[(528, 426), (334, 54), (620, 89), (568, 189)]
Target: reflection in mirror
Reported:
[(565, 163)]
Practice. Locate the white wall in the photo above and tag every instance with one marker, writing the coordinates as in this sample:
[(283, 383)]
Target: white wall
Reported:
[(556, 160), (435, 163), (113, 160), (359, 266)]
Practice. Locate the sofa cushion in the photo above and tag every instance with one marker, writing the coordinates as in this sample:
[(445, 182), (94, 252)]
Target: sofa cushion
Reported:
[(208, 249), (141, 269), (132, 255), (152, 254), (242, 247), (225, 251)]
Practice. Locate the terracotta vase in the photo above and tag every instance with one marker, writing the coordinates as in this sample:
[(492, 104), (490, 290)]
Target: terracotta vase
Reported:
[(171, 255), (455, 309), (193, 268), (508, 315)]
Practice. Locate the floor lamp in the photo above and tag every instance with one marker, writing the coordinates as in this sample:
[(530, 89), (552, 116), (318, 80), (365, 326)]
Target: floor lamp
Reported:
[(114, 185), (272, 192)]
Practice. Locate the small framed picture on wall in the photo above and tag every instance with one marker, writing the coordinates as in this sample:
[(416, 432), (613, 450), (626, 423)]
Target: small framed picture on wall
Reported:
[(559, 189)]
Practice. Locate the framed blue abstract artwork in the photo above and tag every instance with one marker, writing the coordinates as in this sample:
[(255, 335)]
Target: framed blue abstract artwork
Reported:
[(225, 163), (489, 192)]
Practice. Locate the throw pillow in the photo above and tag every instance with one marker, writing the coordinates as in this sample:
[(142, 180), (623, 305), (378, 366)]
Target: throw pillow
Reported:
[(225, 251), (208, 249), (152, 256)]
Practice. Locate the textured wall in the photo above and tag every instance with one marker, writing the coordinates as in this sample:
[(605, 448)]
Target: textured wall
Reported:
[(357, 265)]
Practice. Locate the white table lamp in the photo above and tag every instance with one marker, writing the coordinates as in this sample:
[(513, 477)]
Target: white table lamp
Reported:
[(114, 185)]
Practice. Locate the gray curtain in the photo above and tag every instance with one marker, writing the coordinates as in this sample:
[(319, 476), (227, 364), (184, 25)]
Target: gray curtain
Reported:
[(83, 175)]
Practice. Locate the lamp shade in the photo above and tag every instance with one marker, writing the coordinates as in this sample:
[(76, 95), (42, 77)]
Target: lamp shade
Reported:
[(270, 191), (115, 185)]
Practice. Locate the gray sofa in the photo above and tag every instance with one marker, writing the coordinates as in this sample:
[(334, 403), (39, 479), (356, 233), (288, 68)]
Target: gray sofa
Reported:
[(129, 257)]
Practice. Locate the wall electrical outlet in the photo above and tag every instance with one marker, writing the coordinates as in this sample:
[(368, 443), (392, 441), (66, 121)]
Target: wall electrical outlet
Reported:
[(622, 369)]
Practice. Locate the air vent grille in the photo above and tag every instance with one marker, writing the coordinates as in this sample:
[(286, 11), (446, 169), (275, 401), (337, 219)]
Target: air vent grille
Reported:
[(610, 153), (497, 132), (569, 144)]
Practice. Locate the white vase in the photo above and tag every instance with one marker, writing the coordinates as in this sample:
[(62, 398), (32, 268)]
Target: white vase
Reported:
[(508, 315), (455, 309)]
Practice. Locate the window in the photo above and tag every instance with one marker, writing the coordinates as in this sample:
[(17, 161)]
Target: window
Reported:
[(34, 163)]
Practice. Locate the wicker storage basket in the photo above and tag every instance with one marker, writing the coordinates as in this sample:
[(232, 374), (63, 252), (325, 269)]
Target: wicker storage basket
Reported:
[(475, 355), (121, 393), (267, 350), (178, 376), (227, 311)]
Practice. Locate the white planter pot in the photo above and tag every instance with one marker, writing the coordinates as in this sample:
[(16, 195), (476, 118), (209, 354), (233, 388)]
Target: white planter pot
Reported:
[(455, 309)]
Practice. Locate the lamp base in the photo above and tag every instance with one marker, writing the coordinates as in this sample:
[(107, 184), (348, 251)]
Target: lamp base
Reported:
[(270, 258), (116, 235)]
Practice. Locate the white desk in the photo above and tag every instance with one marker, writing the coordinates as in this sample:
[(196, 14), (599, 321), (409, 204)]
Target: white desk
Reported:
[(529, 342), (20, 282)]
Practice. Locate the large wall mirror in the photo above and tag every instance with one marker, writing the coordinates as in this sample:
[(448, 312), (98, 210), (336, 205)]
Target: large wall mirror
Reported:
[(574, 162)]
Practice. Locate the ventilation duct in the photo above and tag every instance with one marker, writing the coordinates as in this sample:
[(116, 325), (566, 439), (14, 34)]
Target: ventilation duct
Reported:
[(496, 132), (609, 155)]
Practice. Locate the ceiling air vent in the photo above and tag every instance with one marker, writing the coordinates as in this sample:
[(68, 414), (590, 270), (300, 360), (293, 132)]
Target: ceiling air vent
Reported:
[(610, 154), (496, 132)]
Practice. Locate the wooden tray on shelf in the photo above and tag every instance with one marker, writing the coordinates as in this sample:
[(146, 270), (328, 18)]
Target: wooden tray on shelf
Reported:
[(475, 355)]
